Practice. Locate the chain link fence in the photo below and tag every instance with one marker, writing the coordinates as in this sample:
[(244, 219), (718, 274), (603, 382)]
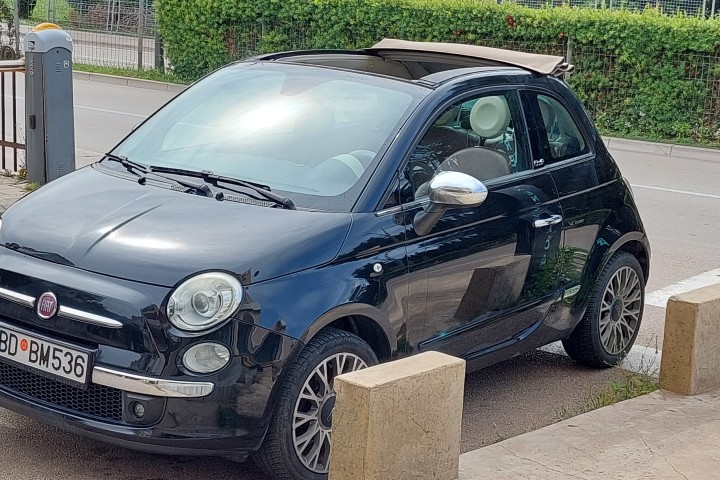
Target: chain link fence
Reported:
[(112, 33), (702, 8)]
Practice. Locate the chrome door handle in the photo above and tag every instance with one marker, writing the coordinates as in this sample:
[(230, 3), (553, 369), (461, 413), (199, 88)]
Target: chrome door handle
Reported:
[(546, 222)]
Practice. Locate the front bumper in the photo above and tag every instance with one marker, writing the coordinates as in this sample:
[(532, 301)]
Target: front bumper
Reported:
[(137, 360)]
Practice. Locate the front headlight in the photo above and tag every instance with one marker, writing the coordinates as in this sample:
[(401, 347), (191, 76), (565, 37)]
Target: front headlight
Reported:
[(204, 301)]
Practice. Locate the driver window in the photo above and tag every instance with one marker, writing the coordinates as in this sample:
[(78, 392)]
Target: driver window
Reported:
[(481, 136)]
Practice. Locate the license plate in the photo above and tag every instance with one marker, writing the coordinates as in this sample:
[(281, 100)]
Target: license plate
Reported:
[(49, 358)]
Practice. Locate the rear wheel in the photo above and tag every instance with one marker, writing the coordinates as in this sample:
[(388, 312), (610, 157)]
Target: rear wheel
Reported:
[(297, 445), (612, 320)]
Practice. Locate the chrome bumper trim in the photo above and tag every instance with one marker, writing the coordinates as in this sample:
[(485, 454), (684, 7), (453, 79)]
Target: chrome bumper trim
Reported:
[(86, 317), (150, 386), (16, 297)]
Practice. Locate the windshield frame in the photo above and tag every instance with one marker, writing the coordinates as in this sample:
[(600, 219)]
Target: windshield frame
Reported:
[(346, 201)]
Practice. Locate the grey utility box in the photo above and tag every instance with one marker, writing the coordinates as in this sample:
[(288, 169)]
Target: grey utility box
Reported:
[(49, 118)]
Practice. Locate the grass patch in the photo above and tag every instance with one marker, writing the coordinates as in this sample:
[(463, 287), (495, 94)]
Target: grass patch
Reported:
[(32, 186), (633, 385), (129, 72)]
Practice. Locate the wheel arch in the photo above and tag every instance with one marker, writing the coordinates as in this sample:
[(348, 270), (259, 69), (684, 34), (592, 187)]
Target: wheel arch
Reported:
[(362, 320), (635, 243)]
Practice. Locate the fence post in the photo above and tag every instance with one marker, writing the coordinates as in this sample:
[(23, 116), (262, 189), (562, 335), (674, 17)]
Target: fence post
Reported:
[(159, 53), (16, 19), (141, 39), (568, 56)]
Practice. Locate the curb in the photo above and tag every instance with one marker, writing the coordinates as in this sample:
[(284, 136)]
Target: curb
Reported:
[(129, 82), (665, 149)]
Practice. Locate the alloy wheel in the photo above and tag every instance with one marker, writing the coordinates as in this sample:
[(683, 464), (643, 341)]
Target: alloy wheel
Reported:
[(620, 310), (312, 418)]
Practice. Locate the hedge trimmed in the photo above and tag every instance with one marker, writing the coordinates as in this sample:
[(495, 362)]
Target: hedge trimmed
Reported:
[(641, 74)]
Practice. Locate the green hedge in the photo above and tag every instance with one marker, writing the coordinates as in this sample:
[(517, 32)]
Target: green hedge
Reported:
[(641, 74)]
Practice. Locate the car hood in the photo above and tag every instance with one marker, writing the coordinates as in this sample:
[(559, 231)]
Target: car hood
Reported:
[(109, 224)]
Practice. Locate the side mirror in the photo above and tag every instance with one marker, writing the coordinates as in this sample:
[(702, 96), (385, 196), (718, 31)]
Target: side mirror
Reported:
[(449, 190)]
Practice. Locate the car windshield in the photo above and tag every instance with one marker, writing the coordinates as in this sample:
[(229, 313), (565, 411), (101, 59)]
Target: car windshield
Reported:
[(312, 134)]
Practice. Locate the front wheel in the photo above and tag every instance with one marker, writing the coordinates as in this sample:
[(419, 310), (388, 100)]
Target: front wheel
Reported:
[(612, 320), (297, 445)]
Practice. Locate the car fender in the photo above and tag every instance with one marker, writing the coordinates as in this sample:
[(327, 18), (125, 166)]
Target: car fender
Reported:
[(608, 242), (348, 310)]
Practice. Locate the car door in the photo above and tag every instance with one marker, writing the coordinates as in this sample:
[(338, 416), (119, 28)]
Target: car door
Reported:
[(565, 151), (486, 275)]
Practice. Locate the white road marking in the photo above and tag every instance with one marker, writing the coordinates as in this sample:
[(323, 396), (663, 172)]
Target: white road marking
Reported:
[(672, 190), (646, 360), (114, 112), (659, 298), (640, 359)]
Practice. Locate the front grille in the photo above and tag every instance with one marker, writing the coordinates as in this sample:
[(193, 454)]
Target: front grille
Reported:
[(97, 401)]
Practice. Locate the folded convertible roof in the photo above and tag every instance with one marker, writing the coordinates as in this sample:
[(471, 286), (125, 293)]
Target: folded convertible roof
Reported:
[(394, 49)]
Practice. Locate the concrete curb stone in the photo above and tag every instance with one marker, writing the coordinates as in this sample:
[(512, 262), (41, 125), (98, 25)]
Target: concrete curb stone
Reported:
[(129, 82), (665, 149)]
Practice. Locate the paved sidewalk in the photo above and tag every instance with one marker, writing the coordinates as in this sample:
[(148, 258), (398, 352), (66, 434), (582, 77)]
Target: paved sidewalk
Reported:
[(656, 436), (11, 190)]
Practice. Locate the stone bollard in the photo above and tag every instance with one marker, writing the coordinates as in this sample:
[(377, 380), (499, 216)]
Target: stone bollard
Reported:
[(399, 420), (691, 346)]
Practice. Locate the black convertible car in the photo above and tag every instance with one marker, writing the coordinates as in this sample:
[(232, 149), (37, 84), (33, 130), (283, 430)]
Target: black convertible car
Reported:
[(296, 216)]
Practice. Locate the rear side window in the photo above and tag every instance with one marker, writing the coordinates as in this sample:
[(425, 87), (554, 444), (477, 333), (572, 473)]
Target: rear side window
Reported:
[(564, 137)]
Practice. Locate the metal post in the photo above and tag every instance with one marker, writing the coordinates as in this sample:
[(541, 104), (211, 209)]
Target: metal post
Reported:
[(704, 9), (159, 53), (16, 19), (568, 56), (141, 27), (712, 9), (49, 117)]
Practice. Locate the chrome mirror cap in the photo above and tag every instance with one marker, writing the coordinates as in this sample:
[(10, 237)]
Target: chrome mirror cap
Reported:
[(457, 189)]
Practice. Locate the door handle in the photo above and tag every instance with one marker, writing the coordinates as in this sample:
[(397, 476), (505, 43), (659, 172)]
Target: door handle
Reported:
[(546, 222)]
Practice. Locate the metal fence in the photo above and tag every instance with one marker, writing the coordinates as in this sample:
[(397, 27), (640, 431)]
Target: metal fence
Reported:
[(12, 119), (113, 33), (702, 8)]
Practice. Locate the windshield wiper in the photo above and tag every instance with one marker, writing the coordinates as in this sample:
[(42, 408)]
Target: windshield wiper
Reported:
[(262, 190), (132, 166)]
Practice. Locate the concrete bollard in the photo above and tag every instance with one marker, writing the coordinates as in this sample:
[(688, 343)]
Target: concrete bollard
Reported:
[(399, 420), (691, 346)]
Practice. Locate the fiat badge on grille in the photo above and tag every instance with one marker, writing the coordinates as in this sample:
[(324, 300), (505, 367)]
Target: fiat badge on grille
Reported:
[(47, 305)]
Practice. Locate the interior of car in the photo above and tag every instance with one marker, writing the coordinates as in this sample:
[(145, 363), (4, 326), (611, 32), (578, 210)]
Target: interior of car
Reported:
[(475, 137)]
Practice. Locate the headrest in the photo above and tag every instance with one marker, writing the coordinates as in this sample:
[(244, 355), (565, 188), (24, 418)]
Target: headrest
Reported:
[(490, 116)]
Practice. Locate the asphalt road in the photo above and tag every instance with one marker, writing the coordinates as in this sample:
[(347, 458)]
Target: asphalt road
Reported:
[(677, 196)]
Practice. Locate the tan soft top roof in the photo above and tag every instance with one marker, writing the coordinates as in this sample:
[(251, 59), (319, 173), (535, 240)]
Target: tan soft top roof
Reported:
[(544, 64)]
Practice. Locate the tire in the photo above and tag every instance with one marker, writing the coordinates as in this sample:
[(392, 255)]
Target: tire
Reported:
[(279, 456), (613, 316)]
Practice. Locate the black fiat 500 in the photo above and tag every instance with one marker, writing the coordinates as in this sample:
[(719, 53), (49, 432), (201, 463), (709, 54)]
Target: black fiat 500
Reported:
[(297, 216)]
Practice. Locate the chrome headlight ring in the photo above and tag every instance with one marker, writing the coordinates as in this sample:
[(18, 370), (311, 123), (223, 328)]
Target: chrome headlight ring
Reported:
[(204, 301)]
